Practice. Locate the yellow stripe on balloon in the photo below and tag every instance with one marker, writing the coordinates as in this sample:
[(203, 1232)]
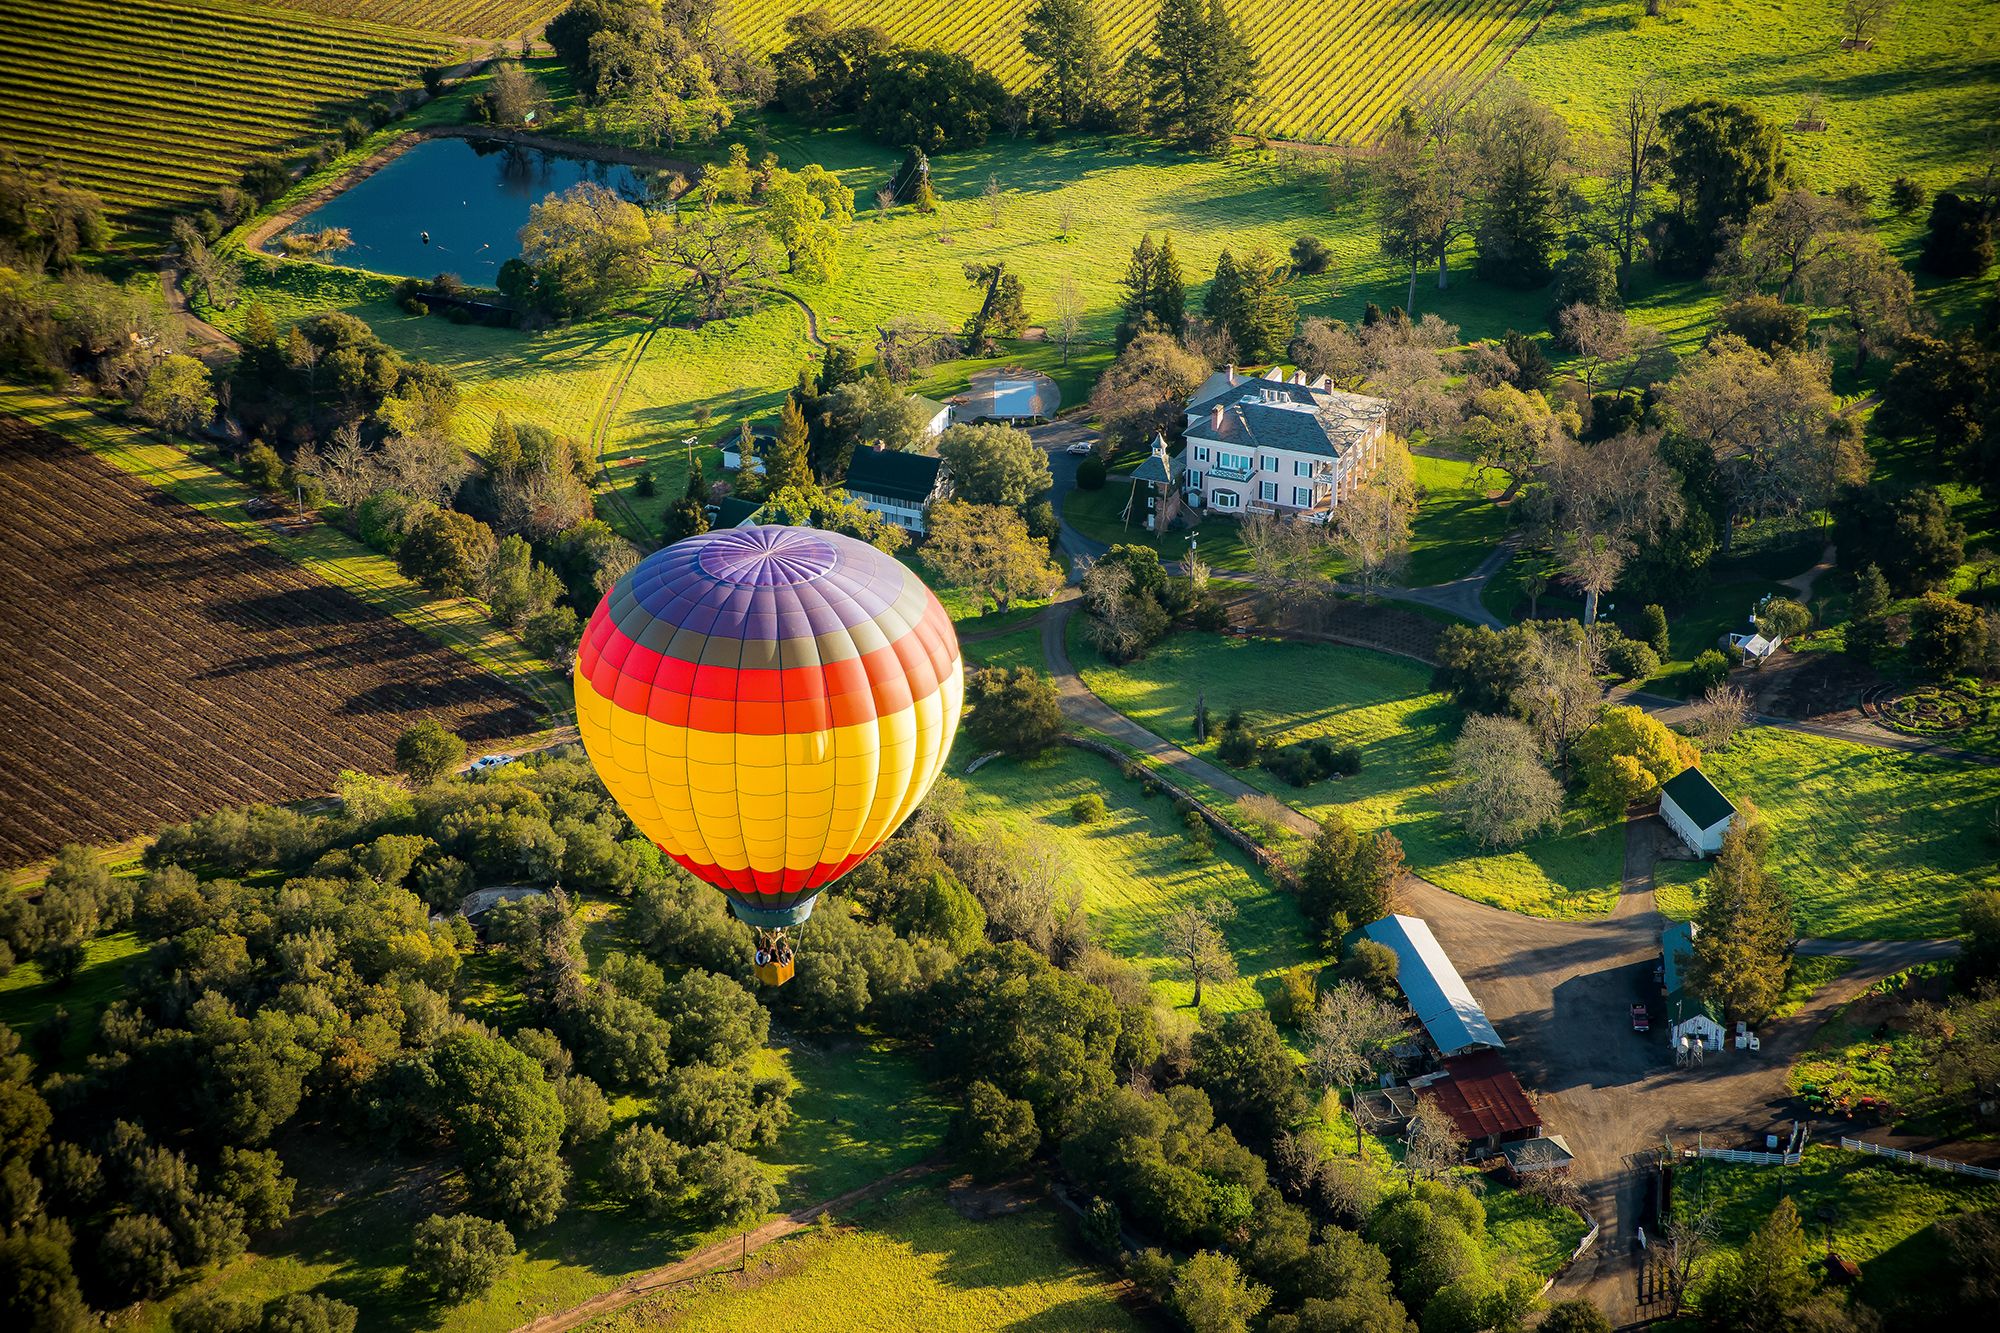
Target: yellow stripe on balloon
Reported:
[(769, 802)]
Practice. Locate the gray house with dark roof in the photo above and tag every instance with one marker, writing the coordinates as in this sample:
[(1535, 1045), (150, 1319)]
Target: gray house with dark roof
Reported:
[(1696, 810), (1278, 443), (897, 485)]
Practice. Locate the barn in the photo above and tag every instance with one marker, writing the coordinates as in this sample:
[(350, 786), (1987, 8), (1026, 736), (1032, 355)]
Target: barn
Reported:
[(1438, 996), (1696, 810), (1688, 1015)]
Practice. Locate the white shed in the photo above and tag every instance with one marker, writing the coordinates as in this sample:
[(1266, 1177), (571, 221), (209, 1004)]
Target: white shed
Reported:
[(1696, 810), (1690, 1017)]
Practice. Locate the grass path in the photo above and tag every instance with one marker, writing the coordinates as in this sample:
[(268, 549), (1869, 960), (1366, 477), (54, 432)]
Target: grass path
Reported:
[(458, 623)]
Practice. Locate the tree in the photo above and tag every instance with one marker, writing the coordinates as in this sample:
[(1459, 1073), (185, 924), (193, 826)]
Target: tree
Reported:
[(1871, 289), (1192, 936), (460, 1257), (1063, 39), (1287, 563), (507, 1123), (822, 70), (716, 257), (1785, 241), (1587, 275), (935, 100), (988, 549), (1146, 390), (804, 212), (1639, 141), (1427, 170), (447, 552), (726, 1188), (427, 753), (1521, 146), (1066, 323), (1349, 1037), (994, 465), (1626, 756), (1213, 1296), (1013, 710), (787, 462), (47, 223), (1371, 527), (1348, 880), (995, 1132), (1745, 926), (1759, 1289), (1503, 793), (1000, 314), (586, 247), (179, 395), (1765, 418), (1911, 538), (1248, 302), (1959, 243), (1432, 1144), (643, 1172), (1722, 159), (1948, 637), (1558, 693), (1863, 19), (1199, 72), (1979, 927), (309, 1312), (1512, 432), (1714, 719)]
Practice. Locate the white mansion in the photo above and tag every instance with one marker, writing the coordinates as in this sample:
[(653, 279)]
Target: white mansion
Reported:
[(1275, 443)]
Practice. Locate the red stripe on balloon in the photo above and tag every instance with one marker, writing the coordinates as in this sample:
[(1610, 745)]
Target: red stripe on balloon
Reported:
[(765, 702), (752, 883)]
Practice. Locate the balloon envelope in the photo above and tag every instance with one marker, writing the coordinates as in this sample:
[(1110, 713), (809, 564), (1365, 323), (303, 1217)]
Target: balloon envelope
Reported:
[(767, 705)]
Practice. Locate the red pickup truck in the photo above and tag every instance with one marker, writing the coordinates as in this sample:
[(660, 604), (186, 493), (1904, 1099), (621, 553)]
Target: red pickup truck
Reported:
[(1641, 1021)]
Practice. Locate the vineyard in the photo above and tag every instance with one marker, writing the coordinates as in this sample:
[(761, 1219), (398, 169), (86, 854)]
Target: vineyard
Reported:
[(163, 666), (459, 18), (154, 103), (1331, 71)]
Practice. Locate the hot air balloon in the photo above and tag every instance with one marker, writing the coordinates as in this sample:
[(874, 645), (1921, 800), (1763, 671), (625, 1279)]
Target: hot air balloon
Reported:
[(767, 705)]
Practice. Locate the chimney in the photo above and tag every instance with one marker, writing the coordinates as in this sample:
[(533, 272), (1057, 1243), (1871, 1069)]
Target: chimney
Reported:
[(1232, 374), (1215, 416)]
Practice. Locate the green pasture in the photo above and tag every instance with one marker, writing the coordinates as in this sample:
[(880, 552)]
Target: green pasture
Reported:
[(1872, 843), (28, 998), (1881, 1212), (1384, 706), (912, 1261), (1131, 872)]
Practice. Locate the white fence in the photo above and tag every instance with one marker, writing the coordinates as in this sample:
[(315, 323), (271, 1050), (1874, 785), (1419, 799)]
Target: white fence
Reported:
[(1589, 1239), (1919, 1159), (1751, 1158)]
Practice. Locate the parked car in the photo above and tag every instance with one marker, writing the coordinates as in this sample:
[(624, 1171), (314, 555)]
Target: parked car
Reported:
[(1082, 447), (1641, 1020), (486, 761)]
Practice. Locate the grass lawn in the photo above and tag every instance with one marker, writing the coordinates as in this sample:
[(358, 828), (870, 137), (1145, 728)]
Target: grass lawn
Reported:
[(1016, 648), (1808, 974), (1385, 706), (1540, 1236), (27, 999), (858, 1113), (1882, 1211), (907, 1262), (1873, 844), (1130, 871), (322, 550)]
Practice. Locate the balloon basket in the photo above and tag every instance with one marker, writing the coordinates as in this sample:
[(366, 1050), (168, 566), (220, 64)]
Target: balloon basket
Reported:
[(776, 974)]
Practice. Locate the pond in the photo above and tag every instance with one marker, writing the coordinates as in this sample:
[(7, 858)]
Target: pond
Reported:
[(450, 205)]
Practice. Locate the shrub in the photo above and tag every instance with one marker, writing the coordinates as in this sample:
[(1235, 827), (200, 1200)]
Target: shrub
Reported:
[(1765, 322), (1783, 618), (1630, 659), (1198, 846), (1091, 472), (1103, 1227), (461, 1256), (1960, 241), (1907, 196), (1236, 744), (1709, 670), (1089, 809), (1653, 628), (1947, 637), (262, 467), (1298, 993), (1310, 256)]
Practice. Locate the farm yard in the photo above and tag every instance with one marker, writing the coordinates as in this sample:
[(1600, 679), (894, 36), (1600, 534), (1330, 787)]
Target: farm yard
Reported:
[(1320, 64), (147, 643), (155, 103)]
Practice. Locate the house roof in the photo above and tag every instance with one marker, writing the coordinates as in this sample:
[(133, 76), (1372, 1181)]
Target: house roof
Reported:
[(1437, 994), (893, 474), (1698, 798), (1155, 467), (1483, 1097), (1548, 1150), (931, 405), (733, 511), (1676, 947), (1300, 415)]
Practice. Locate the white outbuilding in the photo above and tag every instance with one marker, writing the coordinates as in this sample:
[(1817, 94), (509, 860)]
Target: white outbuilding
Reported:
[(1696, 810)]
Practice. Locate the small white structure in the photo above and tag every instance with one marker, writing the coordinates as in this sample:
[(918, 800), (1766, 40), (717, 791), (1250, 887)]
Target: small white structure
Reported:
[(1696, 810), (1691, 1021), (1754, 647), (938, 417)]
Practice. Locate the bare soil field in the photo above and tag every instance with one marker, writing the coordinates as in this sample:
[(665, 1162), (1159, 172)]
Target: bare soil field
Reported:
[(158, 665)]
